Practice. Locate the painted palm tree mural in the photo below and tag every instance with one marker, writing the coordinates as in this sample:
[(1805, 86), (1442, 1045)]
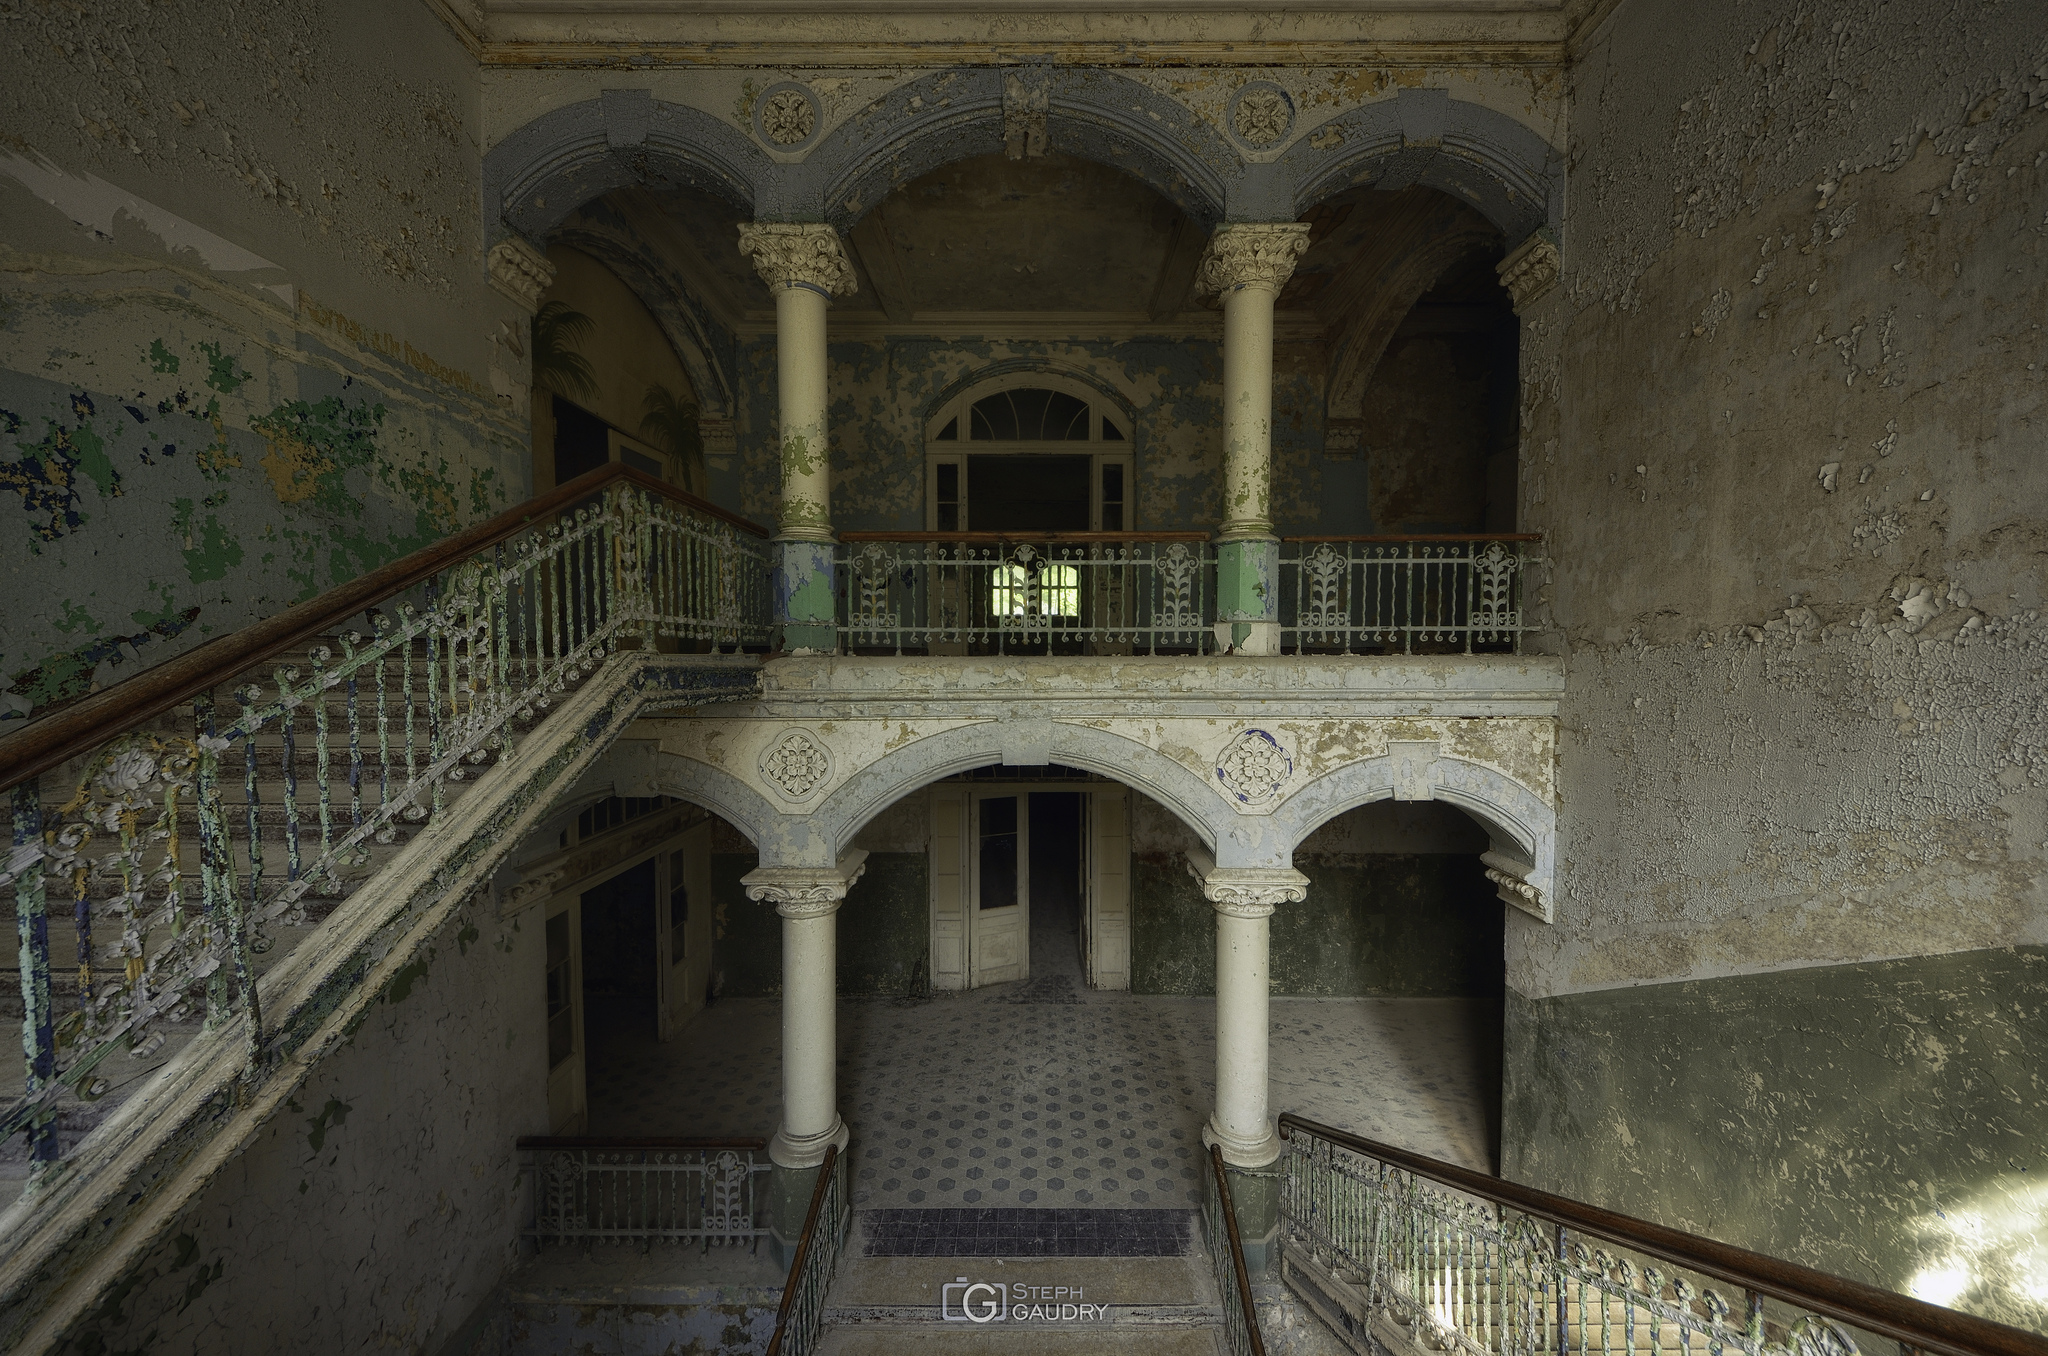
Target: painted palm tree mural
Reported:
[(557, 365), (670, 423)]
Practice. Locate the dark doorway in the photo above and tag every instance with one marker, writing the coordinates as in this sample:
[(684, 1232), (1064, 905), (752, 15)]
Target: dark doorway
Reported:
[(619, 982), (1025, 493), (1056, 828)]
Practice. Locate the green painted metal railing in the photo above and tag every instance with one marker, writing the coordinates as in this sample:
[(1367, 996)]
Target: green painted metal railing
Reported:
[(189, 835)]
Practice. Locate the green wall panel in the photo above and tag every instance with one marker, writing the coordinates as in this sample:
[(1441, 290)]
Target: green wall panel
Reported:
[(1886, 1121), (1393, 926), (884, 928)]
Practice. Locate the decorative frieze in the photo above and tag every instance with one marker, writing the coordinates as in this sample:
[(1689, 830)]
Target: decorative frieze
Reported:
[(520, 271), (799, 254), (1531, 270), (1261, 254)]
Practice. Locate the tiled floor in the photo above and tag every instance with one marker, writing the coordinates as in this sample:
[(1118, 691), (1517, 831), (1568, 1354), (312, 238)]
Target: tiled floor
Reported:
[(1045, 1094), (1004, 1231)]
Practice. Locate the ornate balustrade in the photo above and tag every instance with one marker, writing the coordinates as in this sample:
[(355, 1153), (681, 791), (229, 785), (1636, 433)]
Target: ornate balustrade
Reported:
[(1155, 593), (1395, 1250), (1379, 595), (703, 1191), (1053, 593), (176, 828)]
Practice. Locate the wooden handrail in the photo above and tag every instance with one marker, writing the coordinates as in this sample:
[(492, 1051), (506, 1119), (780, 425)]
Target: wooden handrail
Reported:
[(804, 1243), (645, 1142), (1928, 1327), (1023, 536), (85, 724), (1244, 1279), (1434, 536)]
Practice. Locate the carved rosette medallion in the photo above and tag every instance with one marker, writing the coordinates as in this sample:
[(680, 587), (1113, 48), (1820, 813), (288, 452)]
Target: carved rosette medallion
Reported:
[(1261, 254), (786, 116), (1261, 115), (799, 254), (797, 766), (1253, 768)]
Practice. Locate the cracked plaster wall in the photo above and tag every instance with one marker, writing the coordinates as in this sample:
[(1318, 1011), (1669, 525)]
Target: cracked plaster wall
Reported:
[(1781, 430), (247, 344)]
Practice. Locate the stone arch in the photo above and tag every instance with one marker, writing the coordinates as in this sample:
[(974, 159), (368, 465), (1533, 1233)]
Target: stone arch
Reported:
[(1521, 827), (1427, 235), (918, 764), (728, 797), (545, 170), (681, 322), (961, 113), (1498, 165)]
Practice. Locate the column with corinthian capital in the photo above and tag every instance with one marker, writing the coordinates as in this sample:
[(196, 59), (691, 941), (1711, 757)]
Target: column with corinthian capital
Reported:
[(1244, 898), (805, 266), (1248, 264), (808, 898)]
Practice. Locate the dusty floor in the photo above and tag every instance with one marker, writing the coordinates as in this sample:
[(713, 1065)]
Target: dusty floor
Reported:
[(1045, 1093)]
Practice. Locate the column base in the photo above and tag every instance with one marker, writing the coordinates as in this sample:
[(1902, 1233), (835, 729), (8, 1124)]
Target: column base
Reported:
[(808, 1151), (1248, 595), (1243, 637), (805, 598), (1239, 1152)]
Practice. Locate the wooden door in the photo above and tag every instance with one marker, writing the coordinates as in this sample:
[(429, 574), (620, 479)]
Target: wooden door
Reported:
[(1107, 896), (999, 912), (949, 887)]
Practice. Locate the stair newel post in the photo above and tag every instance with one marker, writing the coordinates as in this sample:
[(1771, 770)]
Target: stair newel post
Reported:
[(430, 628), (216, 870), (32, 931), (323, 784)]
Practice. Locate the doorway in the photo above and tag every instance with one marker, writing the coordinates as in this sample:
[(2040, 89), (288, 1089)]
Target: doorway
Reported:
[(621, 985), (1029, 883)]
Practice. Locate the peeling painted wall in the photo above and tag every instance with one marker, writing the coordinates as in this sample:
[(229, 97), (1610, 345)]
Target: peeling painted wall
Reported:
[(381, 1207), (1780, 430), (247, 344)]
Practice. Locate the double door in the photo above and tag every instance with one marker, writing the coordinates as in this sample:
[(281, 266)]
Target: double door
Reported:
[(981, 875)]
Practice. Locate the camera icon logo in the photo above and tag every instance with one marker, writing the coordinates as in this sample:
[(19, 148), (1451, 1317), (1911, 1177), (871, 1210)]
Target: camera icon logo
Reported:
[(967, 1301)]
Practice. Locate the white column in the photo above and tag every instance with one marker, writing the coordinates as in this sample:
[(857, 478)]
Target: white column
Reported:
[(805, 266), (1244, 898), (1248, 264), (808, 898)]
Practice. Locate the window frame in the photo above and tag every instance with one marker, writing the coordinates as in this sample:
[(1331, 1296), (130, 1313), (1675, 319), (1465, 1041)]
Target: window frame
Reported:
[(955, 451)]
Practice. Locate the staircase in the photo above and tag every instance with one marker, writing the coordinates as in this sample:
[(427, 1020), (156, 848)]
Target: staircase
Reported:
[(263, 833)]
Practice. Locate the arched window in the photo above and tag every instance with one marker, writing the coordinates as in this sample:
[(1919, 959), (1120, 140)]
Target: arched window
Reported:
[(1033, 452)]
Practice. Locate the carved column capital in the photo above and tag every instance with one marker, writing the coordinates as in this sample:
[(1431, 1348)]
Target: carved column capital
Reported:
[(1532, 269), (1261, 254), (520, 271), (799, 254), (805, 891), (1247, 891)]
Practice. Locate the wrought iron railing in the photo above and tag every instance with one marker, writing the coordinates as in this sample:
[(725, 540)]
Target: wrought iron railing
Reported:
[(704, 1191), (1370, 595), (1226, 1253), (1054, 593), (184, 834), (1464, 1262), (800, 1318)]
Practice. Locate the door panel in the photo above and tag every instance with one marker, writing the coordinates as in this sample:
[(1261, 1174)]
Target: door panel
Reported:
[(949, 888), (685, 955), (1108, 900), (999, 926)]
